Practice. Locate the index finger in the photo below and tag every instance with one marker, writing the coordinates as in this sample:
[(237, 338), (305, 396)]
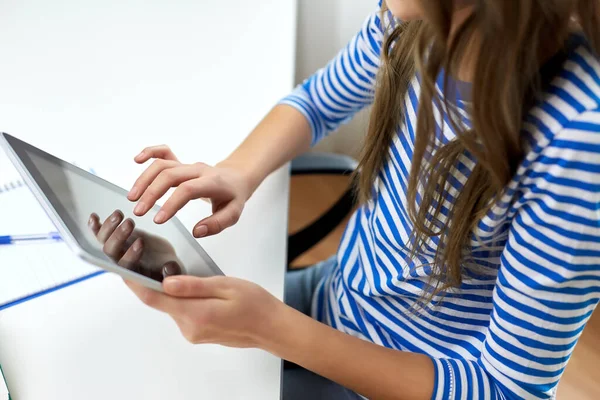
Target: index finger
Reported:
[(189, 190), (162, 151), (148, 176), (166, 179)]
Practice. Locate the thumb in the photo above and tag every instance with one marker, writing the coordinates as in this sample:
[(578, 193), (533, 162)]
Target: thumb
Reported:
[(219, 221), (194, 287)]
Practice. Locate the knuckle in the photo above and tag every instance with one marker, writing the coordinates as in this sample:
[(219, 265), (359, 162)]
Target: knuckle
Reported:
[(119, 235), (159, 163), (218, 180), (235, 217), (223, 281), (218, 225), (200, 165), (237, 212), (166, 174), (152, 191), (187, 189)]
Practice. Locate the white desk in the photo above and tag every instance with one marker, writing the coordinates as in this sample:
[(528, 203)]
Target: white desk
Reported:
[(93, 82)]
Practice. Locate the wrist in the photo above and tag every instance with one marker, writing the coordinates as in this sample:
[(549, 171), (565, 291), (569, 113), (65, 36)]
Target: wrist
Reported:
[(285, 334), (251, 178)]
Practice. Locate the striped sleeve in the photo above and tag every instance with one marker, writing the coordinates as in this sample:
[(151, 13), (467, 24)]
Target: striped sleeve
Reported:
[(335, 93), (548, 284)]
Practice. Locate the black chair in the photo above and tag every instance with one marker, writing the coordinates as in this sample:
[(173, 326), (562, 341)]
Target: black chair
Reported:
[(322, 164)]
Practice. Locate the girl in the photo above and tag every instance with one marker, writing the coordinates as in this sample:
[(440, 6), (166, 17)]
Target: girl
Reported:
[(473, 262)]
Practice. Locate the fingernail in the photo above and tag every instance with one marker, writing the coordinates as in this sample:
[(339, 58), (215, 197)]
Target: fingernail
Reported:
[(201, 231), (137, 246), (134, 192), (139, 208), (114, 218), (126, 227), (172, 284), (91, 221), (160, 217), (141, 154), (171, 269)]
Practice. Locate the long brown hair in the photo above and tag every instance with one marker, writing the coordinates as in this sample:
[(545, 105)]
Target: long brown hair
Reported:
[(512, 39)]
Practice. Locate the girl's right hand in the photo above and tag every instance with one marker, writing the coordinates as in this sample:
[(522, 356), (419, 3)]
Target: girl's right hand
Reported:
[(225, 186)]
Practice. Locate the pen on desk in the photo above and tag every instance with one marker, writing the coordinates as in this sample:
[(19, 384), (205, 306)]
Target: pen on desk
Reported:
[(21, 239)]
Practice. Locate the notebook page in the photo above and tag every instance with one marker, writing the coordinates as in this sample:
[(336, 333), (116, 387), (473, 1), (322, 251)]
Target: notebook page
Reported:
[(8, 172), (28, 269), (21, 213)]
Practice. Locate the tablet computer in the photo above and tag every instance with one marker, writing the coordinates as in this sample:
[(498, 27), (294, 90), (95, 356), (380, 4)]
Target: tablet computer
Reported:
[(71, 196)]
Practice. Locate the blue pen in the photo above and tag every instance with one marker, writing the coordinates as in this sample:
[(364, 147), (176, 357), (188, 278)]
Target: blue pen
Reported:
[(20, 239)]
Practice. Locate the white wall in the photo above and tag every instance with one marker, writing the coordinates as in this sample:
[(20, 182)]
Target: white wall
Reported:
[(324, 27)]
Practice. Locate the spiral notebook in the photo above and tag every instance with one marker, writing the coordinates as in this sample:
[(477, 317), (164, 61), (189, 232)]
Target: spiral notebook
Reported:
[(28, 271)]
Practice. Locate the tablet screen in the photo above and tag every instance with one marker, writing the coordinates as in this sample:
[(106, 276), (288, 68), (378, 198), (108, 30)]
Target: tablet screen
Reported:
[(76, 195)]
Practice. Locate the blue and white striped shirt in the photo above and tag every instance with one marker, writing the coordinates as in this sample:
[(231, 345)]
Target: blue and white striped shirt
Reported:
[(509, 330)]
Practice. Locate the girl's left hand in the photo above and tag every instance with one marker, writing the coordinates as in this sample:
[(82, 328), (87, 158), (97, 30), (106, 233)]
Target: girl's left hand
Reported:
[(219, 310)]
